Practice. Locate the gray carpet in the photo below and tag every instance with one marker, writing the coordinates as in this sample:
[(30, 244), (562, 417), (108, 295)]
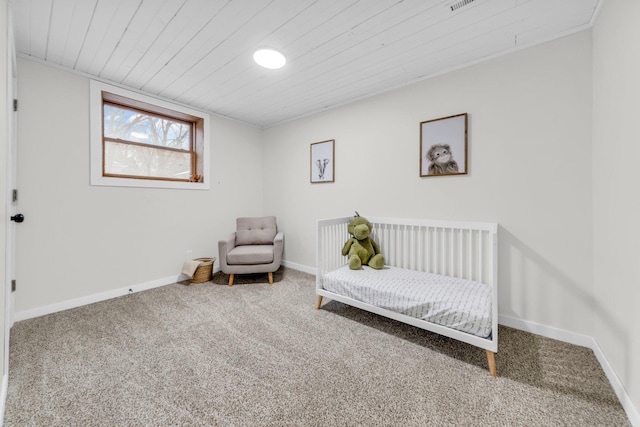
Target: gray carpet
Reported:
[(260, 355)]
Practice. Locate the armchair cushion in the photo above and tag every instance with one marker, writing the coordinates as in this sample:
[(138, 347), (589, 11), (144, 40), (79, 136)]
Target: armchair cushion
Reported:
[(256, 231), (250, 255)]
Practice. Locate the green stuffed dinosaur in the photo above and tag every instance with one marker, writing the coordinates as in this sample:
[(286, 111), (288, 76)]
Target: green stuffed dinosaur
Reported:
[(361, 248)]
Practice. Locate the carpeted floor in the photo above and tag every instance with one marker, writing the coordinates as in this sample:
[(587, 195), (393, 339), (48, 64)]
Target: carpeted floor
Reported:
[(260, 355)]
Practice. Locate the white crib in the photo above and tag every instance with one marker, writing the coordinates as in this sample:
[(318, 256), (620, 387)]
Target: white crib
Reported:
[(462, 250)]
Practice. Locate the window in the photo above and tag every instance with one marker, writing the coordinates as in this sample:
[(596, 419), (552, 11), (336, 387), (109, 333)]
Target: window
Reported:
[(140, 141)]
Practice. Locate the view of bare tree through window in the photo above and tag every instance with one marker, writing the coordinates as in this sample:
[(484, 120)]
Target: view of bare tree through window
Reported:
[(140, 144)]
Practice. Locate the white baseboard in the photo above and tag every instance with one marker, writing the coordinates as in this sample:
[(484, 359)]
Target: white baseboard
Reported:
[(583, 341), (618, 387), (546, 331), (3, 396), (299, 267), (90, 299)]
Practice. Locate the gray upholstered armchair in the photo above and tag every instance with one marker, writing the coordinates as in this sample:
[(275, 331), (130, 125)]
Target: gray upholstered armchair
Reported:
[(255, 247)]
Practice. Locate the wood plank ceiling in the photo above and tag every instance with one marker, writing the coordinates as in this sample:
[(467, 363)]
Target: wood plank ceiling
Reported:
[(199, 52)]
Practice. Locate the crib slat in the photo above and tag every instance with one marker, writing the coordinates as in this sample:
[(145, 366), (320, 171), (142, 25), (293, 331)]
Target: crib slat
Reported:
[(415, 239), (480, 258), (428, 249), (442, 251), (404, 237), (410, 252), (460, 260), (436, 258), (469, 259), (399, 242), (451, 256), (387, 244), (420, 250)]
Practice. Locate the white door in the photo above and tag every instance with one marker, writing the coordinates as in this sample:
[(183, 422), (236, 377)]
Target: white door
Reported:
[(11, 201)]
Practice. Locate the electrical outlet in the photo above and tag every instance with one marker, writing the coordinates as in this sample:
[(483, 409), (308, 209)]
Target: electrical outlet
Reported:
[(189, 254)]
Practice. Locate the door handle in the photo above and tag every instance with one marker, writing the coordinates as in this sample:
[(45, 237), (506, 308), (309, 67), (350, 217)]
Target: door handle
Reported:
[(17, 218)]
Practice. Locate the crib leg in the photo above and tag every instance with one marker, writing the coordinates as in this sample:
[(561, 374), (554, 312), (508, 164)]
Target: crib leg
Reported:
[(492, 363), (319, 302)]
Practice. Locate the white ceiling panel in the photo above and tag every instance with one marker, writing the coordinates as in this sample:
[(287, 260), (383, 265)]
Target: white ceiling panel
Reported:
[(37, 21), (199, 52), (108, 23), (148, 22), (75, 26), (186, 23), (59, 30)]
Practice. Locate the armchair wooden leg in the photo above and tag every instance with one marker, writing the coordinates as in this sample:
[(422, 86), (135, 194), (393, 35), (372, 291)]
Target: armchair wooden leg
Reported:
[(270, 278), (492, 363), (319, 302), (231, 280)]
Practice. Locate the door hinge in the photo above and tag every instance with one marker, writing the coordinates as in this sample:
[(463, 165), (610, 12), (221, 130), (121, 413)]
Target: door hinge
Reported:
[(14, 197), (15, 105), (13, 285)]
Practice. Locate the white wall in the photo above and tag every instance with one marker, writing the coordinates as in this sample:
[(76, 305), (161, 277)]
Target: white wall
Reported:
[(616, 71), (78, 240), (529, 170)]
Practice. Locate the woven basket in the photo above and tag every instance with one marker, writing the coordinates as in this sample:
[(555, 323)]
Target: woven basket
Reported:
[(203, 272)]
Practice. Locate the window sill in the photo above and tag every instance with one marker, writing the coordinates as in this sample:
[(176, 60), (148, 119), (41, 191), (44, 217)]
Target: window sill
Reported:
[(147, 183)]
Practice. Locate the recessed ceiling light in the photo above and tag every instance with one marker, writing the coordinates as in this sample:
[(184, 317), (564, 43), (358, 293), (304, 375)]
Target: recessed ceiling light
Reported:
[(269, 58)]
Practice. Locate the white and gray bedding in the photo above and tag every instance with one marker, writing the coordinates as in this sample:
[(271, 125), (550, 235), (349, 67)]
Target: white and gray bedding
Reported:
[(459, 304)]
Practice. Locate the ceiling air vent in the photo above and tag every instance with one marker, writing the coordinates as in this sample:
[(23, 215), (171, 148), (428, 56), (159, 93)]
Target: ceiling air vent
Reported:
[(461, 3)]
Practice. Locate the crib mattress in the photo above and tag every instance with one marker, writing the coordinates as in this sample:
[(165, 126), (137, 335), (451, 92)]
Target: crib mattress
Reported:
[(460, 304)]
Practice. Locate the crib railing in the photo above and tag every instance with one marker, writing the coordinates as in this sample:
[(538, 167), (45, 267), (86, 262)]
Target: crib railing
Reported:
[(331, 237), (466, 250)]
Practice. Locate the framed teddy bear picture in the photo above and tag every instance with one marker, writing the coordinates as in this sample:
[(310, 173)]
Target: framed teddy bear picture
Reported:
[(443, 146)]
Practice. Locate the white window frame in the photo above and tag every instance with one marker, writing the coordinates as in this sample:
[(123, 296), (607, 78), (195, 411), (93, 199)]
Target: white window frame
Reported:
[(95, 110)]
